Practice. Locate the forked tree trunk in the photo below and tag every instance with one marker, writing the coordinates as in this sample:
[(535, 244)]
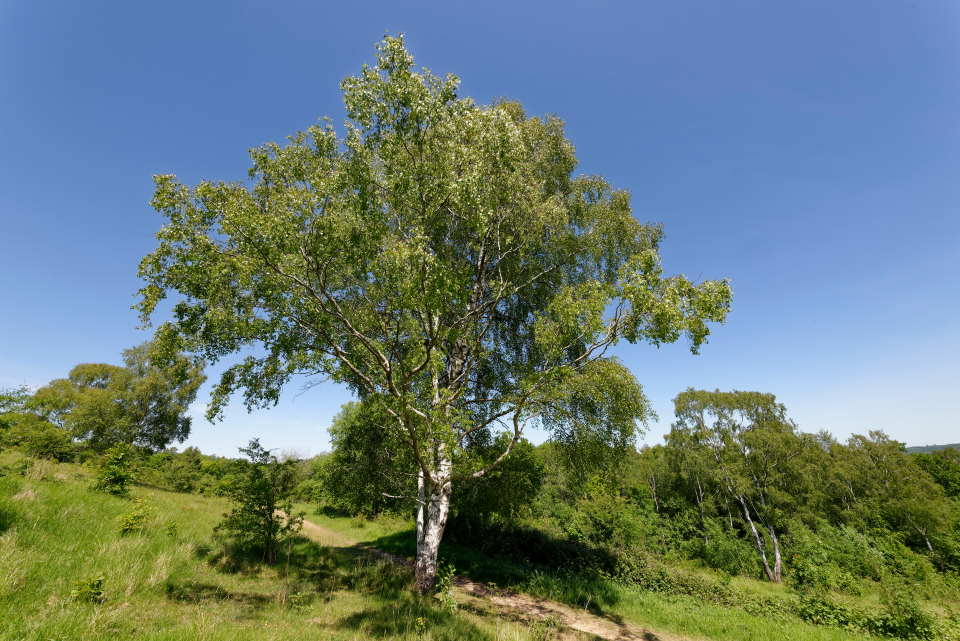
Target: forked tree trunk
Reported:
[(774, 574), (432, 510), (777, 557)]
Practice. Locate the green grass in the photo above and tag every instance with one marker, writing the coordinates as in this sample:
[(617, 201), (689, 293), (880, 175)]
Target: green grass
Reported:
[(677, 614), (171, 583)]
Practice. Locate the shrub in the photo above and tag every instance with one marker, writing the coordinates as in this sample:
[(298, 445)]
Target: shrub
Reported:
[(819, 610), (263, 515), (115, 473), (722, 550), (902, 617), (89, 590), (40, 438), (135, 521), (444, 586)]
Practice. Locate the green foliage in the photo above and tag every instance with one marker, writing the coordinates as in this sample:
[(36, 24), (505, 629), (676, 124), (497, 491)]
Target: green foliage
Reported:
[(505, 493), (441, 259), (367, 461), (12, 402), (135, 521), (944, 466), (191, 471), (89, 590), (724, 550), (600, 516), (263, 515), (444, 586), (901, 617), (39, 438), (142, 403), (115, 473)]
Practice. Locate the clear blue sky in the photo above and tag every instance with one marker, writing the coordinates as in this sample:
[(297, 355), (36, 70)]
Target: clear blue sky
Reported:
[(809, 151)]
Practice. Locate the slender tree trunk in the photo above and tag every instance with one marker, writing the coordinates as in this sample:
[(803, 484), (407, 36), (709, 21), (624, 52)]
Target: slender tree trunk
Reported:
[(699, 494), (432, 512), (777, 558), (652, 480), (758, 541)]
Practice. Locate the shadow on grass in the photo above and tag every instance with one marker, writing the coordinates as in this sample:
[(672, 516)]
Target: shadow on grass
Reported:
[(321, 569), (501, 566), (410, 616), (397, 611), (312, 569), (197, 592), (354, 568)]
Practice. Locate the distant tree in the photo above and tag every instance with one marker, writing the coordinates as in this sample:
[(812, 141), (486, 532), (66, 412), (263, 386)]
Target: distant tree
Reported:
[(183, 471), (12, 405), (263, 515), (891, 489), (39, 438), (139, 403), (752, 448), (944, 466), (442, 261), (13, 399), (369, 467)]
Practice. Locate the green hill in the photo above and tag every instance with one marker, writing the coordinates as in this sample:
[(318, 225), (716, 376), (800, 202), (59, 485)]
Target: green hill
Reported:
[(919, 449), (69, 572)]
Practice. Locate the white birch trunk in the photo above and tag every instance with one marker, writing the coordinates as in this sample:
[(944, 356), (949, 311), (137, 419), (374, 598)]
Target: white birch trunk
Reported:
[(758, 541), (434, 506), (777, 557)]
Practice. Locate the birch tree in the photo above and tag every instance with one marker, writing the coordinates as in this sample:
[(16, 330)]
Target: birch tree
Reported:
[(753, 449), (441, 259)]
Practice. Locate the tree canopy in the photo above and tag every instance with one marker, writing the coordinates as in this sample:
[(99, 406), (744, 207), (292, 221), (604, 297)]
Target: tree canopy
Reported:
[(441, 259), (139, 403)]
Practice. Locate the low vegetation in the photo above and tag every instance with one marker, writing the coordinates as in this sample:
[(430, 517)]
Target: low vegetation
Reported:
[(80, 564)]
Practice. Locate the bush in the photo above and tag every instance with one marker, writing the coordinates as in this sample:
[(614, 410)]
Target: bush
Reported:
[(722, 550), (115, 473), (263, 513), (40, 438), (902, 617), (135, 521), (89, 590), (444, 586), (819, 610)]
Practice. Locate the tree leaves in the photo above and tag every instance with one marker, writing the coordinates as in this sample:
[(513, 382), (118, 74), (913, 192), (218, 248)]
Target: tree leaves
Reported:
[(439, 256)]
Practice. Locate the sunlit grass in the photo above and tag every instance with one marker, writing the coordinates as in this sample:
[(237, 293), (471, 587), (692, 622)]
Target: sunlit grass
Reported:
[(679, 615), (171, 582)]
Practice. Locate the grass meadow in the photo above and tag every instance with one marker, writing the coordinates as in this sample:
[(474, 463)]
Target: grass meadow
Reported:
[(67, 573)]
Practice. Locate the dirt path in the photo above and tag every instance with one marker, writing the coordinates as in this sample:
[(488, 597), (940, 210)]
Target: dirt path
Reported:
[(512, 604)]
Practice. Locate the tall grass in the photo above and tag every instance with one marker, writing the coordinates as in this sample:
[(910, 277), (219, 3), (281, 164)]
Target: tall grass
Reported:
[(167, 580), (670, 613)]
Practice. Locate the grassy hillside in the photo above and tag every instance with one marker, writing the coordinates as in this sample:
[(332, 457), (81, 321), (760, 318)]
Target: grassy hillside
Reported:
[(68, 572), (761, 617), (169, 583)]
